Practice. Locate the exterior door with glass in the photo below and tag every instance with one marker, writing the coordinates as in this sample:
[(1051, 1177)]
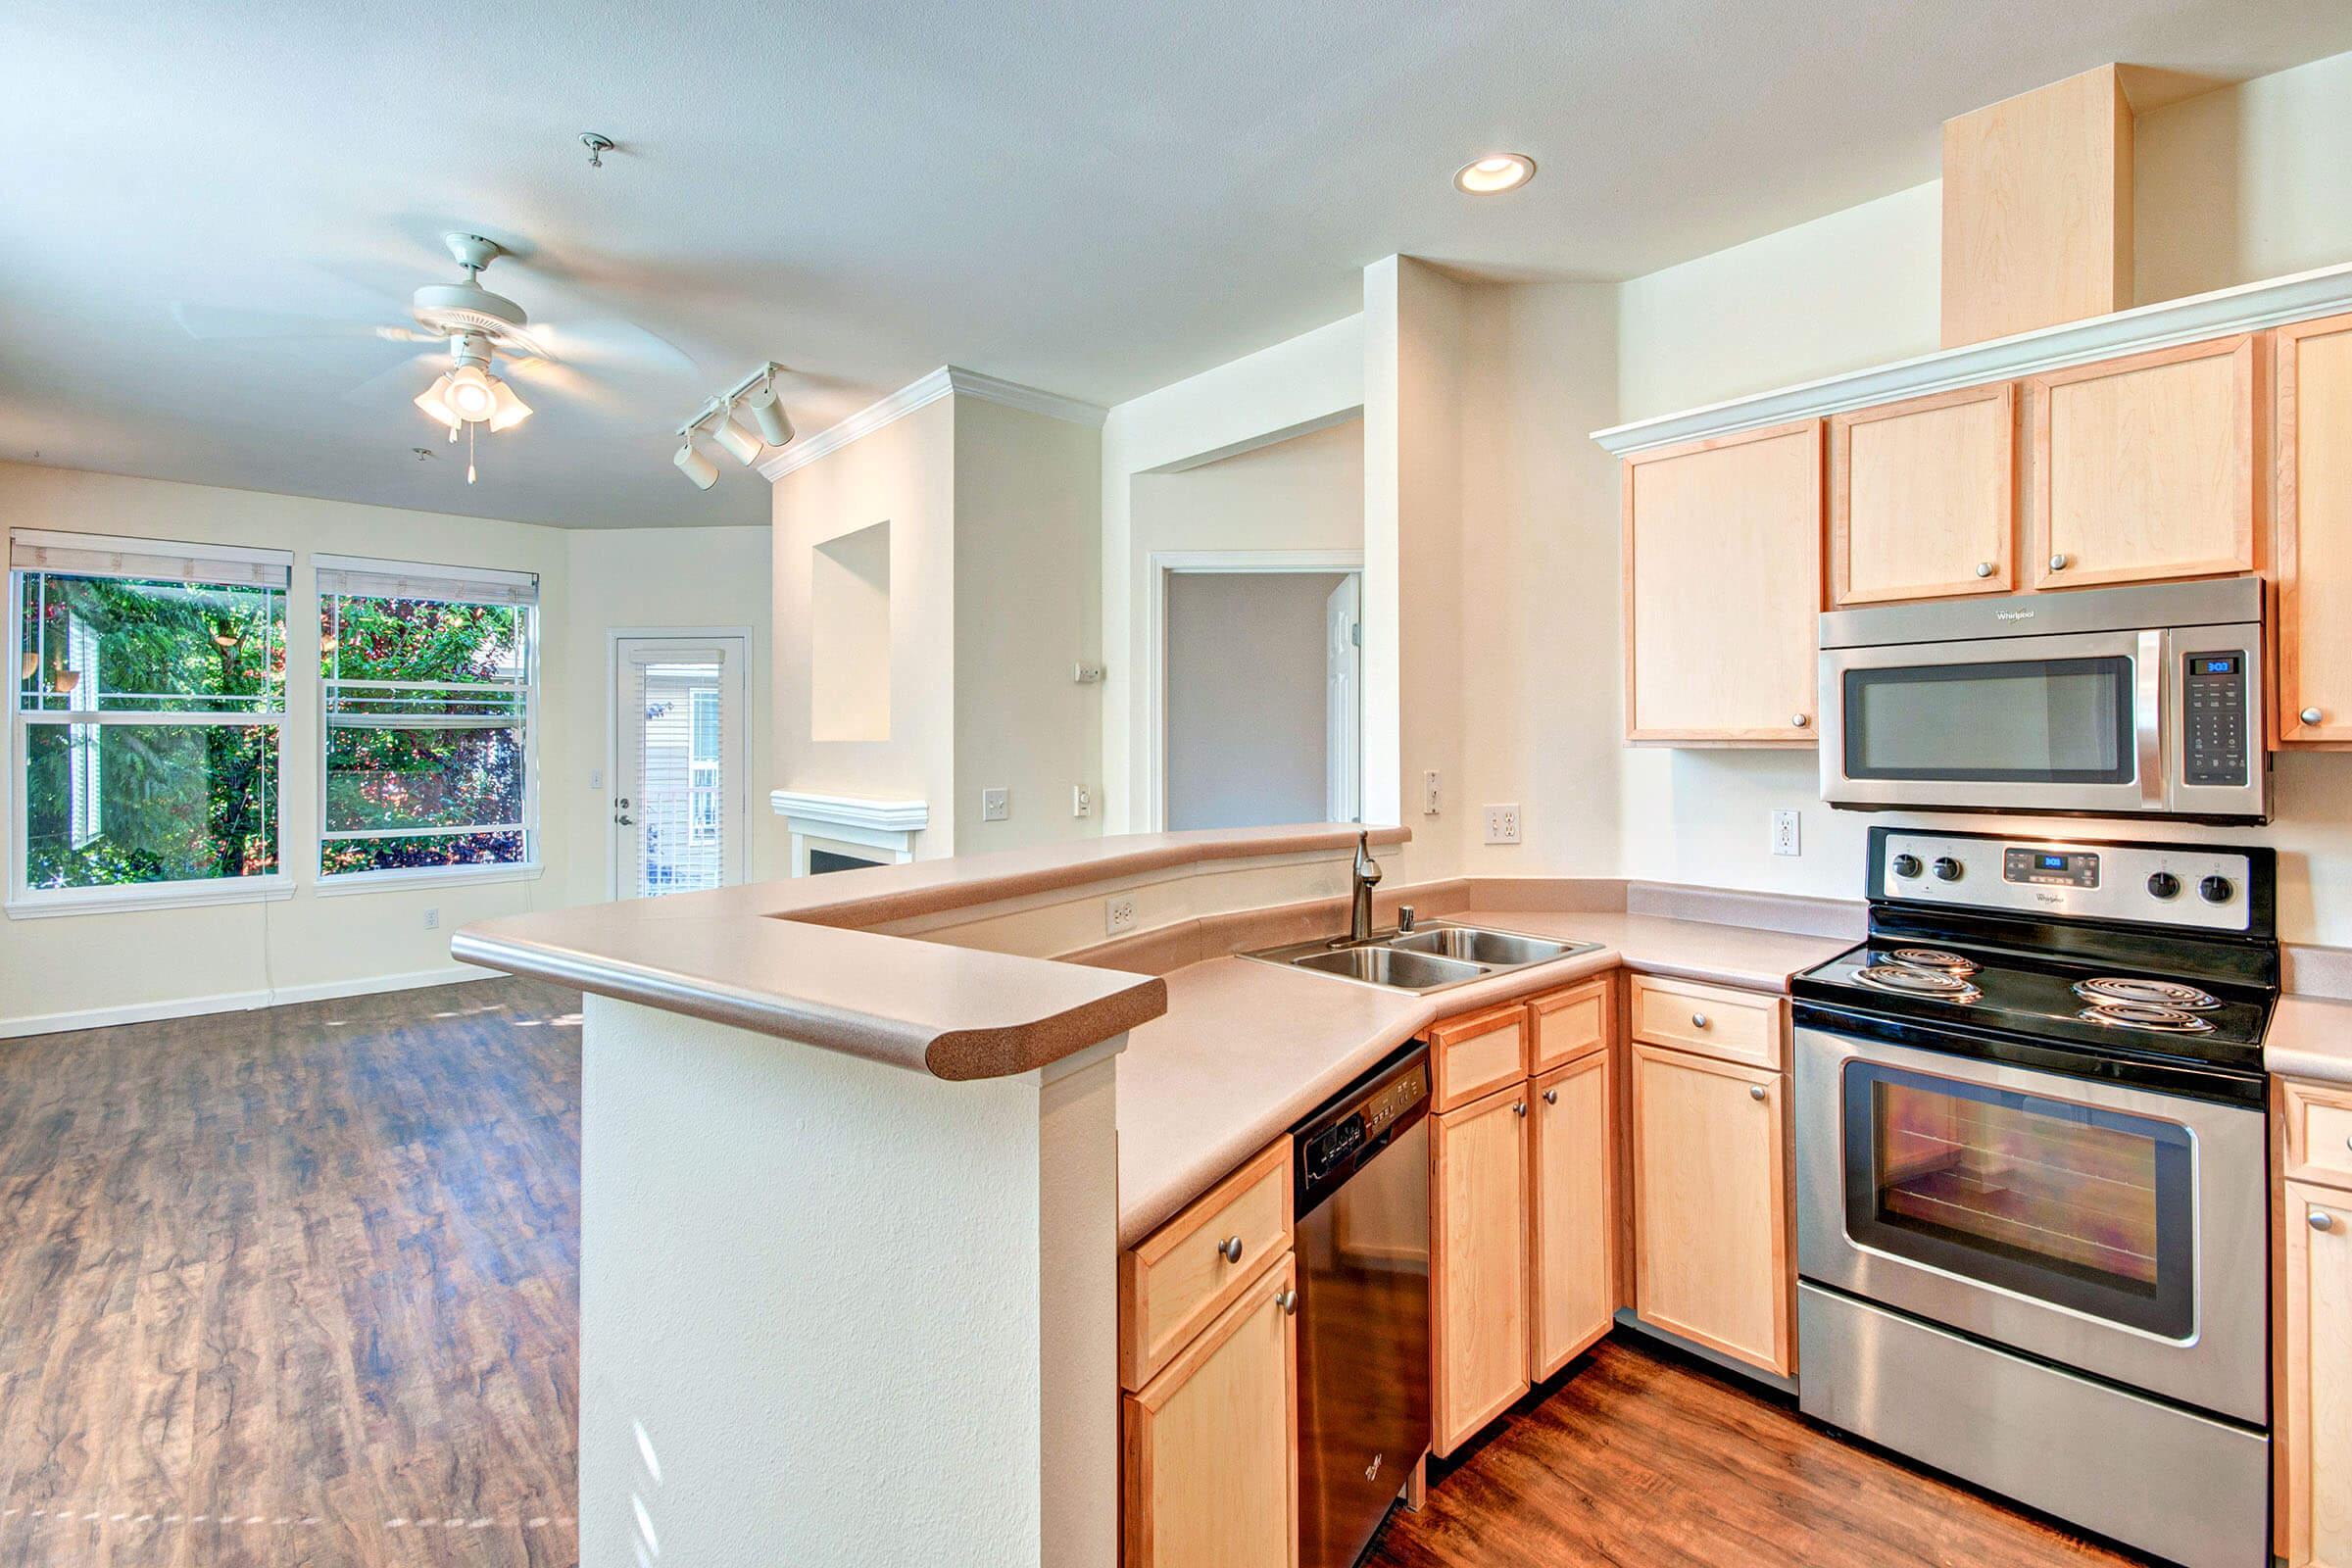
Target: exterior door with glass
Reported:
[(679, 762)]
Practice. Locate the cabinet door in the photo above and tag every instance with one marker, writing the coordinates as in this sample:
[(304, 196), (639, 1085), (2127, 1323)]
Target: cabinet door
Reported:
[(2315, 1457), (1923, 497), (1723, 588), (1710, 1205), (1572, 1213), (1478, 1264), (2315, 532), (2150, 467), (1213, 1443)]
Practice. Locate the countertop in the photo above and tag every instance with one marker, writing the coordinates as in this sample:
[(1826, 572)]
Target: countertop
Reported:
[(1247, 1049), (2310, 1037)]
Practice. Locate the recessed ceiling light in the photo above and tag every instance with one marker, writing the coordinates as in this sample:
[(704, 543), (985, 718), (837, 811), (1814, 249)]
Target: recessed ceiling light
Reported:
[(1495, 174)]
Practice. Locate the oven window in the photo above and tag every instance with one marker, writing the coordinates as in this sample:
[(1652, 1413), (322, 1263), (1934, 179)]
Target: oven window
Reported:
[(2024, 721), (2089, 1210)]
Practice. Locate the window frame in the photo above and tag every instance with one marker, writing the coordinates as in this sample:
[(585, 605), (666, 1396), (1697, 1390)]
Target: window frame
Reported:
[(451, 579), (25, 901)]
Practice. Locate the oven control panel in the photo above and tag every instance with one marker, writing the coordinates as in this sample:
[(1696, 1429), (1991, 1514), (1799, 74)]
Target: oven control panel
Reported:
[(2213, 687), (2187, 885)]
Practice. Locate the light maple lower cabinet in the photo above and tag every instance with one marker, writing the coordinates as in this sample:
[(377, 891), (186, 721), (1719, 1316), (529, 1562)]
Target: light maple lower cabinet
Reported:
[(1211, 1453), (2315, 532), (1572, 1213), (1710, 1203), (1723, 588), (2316, 1460), (1478, 1262)]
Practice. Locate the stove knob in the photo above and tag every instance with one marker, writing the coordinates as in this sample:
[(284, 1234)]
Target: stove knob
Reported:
[(1906, 866), (2214, 890), (2164, 885), (1948, 869)]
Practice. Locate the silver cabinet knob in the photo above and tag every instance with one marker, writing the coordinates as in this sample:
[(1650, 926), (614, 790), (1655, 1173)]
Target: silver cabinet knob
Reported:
[(1518, 1107), (1800, 720), (1983, 568), (1551, 1097), (1698, 1020), (1230, 1248), (1756, 1091), (2321, 1220), (2311, 715), (1288, 1301), (2058, 561)]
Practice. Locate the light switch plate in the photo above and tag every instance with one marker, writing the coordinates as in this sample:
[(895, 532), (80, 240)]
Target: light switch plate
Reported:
[(1786, 833), (1082, 801), (1502, 823), (1429, 792), (996, 805)]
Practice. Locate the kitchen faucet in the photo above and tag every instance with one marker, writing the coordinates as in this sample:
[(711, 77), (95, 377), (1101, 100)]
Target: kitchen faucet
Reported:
[(1367, 876)]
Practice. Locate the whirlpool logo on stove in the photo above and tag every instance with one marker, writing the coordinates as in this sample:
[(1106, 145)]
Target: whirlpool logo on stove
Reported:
[(2014, 614)]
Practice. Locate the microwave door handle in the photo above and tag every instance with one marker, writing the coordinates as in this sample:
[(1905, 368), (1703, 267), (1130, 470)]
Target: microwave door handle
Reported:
[(2147, 717)]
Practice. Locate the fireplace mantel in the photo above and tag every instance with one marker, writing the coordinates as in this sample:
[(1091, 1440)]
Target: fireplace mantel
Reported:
[(857, 825)]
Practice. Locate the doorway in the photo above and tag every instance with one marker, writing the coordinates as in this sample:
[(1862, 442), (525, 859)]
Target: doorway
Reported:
[(679, 760), (1259, 689)]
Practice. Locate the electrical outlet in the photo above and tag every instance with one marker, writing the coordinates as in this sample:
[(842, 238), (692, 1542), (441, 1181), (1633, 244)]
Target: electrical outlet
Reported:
[(1429, 792), (996, 805), (1502, 823), (1119, 913), (432, 920), (1082, 801), (1786, 836), (1087, 674)]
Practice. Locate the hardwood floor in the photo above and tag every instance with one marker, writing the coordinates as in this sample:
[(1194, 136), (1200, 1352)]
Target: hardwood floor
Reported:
[(1641, 1458), (296, 1288)]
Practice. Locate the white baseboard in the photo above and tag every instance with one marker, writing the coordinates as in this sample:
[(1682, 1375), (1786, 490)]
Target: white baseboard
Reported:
[(51, 1023)]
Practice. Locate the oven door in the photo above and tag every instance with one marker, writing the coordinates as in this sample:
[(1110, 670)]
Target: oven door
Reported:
[(2112, 1230)]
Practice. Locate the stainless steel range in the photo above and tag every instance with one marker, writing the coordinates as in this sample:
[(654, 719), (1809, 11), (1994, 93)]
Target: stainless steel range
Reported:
[(2032, 1173)]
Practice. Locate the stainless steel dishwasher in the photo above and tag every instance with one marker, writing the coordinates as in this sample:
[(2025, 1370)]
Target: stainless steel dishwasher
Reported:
[(1360, 1186)]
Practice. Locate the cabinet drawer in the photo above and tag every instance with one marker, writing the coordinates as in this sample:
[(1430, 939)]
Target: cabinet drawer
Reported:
[(2319, 1132), (1181, 1276), (1566, 1024), (1733, 1025), (1476, 1053)]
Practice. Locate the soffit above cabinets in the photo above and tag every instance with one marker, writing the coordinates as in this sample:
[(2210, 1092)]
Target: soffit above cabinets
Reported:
[(2248, 307)]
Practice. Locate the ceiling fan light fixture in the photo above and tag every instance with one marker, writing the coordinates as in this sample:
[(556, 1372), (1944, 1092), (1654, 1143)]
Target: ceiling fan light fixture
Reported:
[(695, 466), (509, 410), (472, 396), (727, 433), (434, 401)]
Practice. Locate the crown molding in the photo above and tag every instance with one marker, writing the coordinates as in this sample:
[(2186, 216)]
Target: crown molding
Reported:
[(2246, 307), (918, 393)]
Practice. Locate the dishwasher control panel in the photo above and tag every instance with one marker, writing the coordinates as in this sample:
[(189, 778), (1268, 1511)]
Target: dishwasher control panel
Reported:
[(1358, 1125)]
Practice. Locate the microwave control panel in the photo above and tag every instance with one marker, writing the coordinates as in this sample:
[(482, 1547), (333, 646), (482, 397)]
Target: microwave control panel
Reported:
[(2215, 725)]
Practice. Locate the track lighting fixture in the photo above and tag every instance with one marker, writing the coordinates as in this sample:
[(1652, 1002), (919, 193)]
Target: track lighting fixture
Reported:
[(755, 396)]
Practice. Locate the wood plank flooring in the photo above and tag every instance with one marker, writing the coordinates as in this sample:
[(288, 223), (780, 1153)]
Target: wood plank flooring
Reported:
[(1641, 1459), (295, 1287)]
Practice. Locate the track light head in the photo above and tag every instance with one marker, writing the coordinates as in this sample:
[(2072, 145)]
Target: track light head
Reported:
[(727, 433), (768, 413), (695, 466)]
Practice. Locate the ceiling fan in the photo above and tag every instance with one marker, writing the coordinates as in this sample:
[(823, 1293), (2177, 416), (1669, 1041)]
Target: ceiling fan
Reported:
[(477, 327)]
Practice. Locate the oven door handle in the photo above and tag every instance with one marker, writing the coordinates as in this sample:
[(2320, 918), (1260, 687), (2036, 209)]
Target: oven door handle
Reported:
[(2148, 715)]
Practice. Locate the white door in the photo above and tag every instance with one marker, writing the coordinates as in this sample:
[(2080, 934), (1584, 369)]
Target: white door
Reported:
[(678, 766), (1343, 703)]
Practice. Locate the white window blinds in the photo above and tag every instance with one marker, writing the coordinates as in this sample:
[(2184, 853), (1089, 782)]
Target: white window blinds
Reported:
[(358, 577), (93, 555)]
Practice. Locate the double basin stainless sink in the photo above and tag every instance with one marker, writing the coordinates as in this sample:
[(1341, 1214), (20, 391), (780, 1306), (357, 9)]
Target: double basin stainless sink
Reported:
[(1431, 957)]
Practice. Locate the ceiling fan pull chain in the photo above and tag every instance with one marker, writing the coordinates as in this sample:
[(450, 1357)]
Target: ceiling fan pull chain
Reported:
[(469, 454)]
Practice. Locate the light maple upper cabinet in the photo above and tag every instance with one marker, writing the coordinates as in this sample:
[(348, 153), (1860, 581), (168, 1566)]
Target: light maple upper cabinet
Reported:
[(1710, 1205), (2151, 466), (1572, 1215), (1478, 1265), (1923, 497), (1723, 542), (2315, 532), (2314, 1524)]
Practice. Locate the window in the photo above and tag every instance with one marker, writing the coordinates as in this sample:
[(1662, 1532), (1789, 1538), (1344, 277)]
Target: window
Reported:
[(151, 687), (430, 682)]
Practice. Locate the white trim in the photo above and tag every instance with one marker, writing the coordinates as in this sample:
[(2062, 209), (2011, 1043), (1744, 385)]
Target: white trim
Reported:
[(918, 393), (844, 810), (2325, 291), (614, 636), (40, 904), (49, 1023), (427, 876), (1159, 566)]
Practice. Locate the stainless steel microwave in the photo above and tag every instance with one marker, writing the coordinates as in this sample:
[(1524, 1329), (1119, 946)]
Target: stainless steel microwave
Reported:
[(2102, 701)]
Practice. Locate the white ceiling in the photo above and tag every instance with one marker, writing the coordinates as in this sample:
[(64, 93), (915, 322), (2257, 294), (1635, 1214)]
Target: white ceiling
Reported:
[(1094, 199)]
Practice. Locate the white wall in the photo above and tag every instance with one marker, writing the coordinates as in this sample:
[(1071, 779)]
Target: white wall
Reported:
[(153, 962), (1291, 388), (1305, 493), (1248, 698)]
